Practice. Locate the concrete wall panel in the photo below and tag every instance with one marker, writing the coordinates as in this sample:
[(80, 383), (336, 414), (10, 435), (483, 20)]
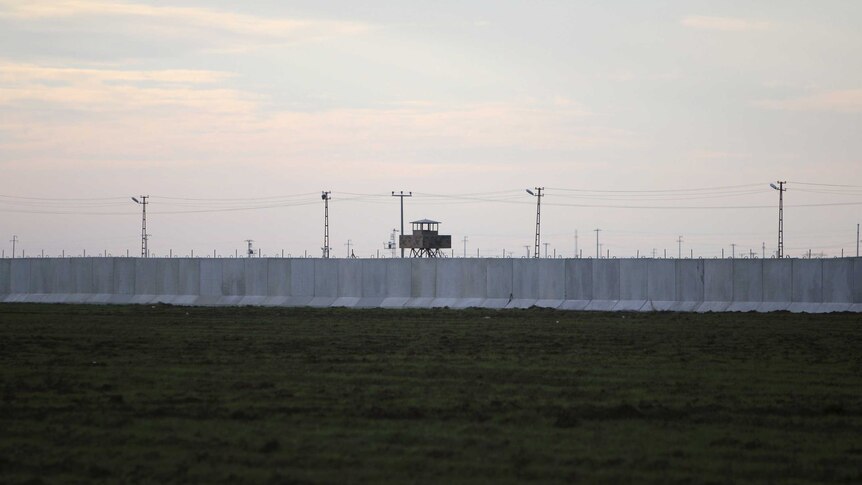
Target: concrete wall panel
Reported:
[(189, 276), (552, 280), (662, 280), (857, 281), (747, 280), (807, 280), (103, 276), (211, 273), (82, 274), (778, 281), (167, 279), (325, 279), (5, 276), (302, 277), (146, 275), (837, 281), (634, 277), (606, 279), (62, 281), (349, 278), (450, 282), (525, 279), (278, 277), (499, 279), (256, 279), (689, 282), (398, 279), (423, 278), (525, 283), (374, 279), (19, 271), (41, 275), (718, 280), (579, 279), (124, 277), (233, 277), (474, 275)]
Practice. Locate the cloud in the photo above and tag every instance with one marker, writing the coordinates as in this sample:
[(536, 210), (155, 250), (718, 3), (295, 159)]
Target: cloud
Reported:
[(726, 24), (839, 101), (22, 72), (201, 19), (111, 90), (56, 116)]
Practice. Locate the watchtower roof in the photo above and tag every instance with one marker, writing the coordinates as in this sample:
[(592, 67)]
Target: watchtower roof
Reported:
[(425, 221)]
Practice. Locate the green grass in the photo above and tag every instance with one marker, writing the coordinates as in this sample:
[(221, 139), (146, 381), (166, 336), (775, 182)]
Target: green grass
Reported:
[(166, 394)]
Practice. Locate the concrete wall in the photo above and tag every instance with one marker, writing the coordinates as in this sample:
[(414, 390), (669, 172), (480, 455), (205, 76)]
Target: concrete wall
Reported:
[(818, 285)]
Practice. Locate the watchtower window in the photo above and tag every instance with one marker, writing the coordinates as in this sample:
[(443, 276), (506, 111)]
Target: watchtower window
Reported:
[(425, 225)]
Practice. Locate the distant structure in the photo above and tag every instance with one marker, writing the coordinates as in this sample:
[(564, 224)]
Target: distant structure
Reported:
[(425, 242)]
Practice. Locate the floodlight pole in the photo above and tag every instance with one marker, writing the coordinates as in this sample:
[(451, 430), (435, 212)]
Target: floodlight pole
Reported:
[(402, 195), (144, 237), (857, 240), (14, 241), (538, 195), (326, 196), (781, 191), (679, 251), (250, 251)]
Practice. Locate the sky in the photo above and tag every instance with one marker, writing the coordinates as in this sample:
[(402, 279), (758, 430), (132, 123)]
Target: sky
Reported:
[(651, 121)]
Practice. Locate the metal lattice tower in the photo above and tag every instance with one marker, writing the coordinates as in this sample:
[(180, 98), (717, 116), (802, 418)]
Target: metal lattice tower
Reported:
[(326, 196), (780, 188), (538, 195), (250, 252), (144, 236)]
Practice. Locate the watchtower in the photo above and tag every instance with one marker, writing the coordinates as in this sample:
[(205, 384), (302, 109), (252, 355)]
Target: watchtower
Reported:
[(425, 242)]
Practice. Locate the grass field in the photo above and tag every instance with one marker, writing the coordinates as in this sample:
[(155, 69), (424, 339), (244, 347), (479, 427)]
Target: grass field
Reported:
[(166, 394)]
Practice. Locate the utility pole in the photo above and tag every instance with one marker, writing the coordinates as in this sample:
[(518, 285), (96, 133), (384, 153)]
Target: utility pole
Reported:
[(250, 251), (679, 251), (733, 250), (527, 247), (763, 255), (14, 241), (465, 246), (402, 195), (546, 249), (144, 236), (326, 196), (780, 188), (857, 240), (349, 243), (598, 253), (538, 195)]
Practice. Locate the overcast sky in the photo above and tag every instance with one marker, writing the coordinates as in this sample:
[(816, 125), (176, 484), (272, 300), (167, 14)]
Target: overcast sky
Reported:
[(650, 120)]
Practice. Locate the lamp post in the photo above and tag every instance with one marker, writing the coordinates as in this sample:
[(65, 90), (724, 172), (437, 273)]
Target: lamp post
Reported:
[(326, 196), (538, 195), (780, 188), (144, 236)]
